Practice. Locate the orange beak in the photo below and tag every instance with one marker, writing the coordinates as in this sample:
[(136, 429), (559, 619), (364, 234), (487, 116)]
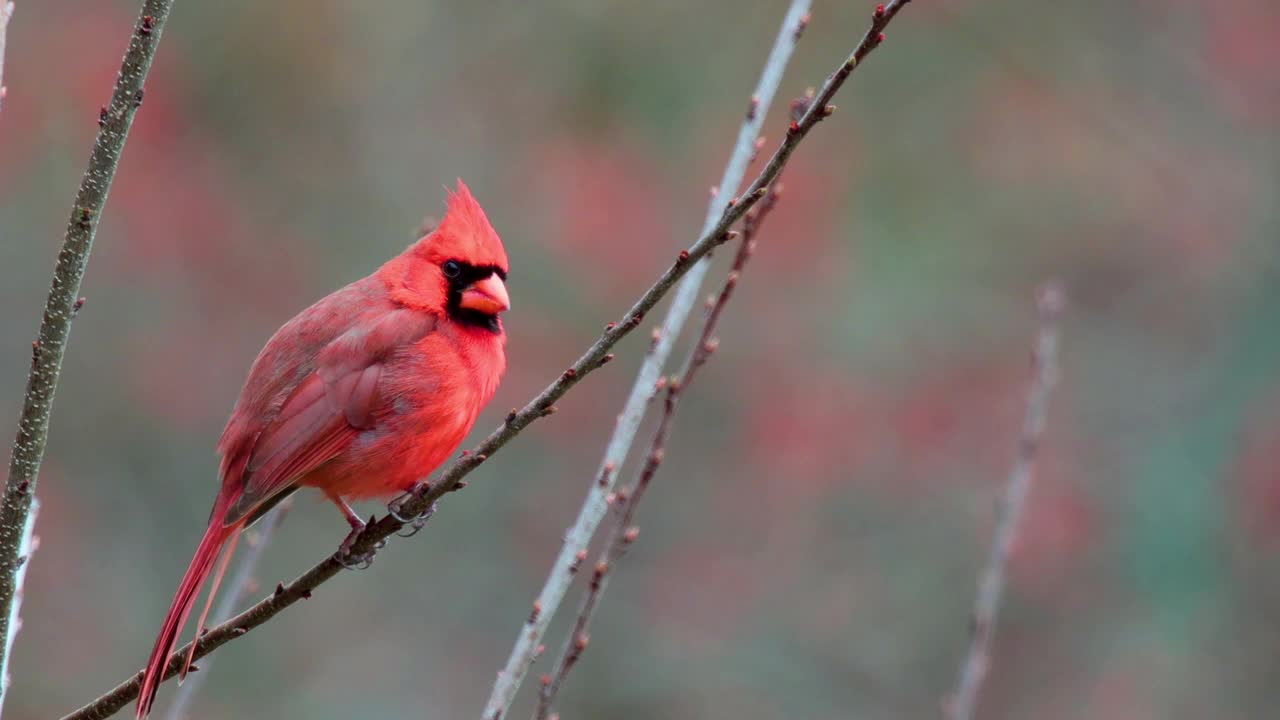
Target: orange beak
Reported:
[(488, 296)]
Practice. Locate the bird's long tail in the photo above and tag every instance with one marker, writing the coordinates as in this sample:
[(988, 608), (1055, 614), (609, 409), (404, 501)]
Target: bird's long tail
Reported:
[(211, 545)]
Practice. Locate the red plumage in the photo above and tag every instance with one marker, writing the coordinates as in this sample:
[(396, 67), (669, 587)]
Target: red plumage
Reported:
[(360, 395)]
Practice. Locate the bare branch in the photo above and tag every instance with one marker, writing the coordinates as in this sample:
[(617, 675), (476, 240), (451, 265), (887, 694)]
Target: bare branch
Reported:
[(594, 508), (422, 498), (625, 532), (1009, 510), (47, 351)]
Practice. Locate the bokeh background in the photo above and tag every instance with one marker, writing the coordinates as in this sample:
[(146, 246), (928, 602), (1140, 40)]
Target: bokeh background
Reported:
[(810, 548)]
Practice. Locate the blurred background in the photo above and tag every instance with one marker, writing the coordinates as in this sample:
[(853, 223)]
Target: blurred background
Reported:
[(810, 547)]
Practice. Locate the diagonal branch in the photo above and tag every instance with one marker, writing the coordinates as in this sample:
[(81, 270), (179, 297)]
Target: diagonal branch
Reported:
[(991, 583), (422, 498), (46, 352), (594, 508), (628, 499)]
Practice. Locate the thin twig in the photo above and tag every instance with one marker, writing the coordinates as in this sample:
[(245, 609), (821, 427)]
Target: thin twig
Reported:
[(529, 637), (578, 537), (30, 543), (628, 499), (422, 498), (47, 351), (6, 14), (977, 659), (243, 585)]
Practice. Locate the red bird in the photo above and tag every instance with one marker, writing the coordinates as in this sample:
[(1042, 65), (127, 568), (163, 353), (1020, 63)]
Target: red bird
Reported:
[(360, 395)]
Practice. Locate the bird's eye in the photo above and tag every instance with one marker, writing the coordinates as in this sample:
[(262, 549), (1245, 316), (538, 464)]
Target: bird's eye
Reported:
[(452, 269)]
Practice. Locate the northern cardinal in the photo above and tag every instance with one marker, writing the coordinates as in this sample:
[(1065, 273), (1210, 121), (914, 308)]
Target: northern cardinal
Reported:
[(360, 395)]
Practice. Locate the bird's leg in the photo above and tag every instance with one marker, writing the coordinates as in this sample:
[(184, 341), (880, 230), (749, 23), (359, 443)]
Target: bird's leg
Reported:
[(415, 523), (345, 556)]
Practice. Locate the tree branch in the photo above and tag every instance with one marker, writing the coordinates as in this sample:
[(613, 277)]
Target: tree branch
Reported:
[(628, 499), (594, 508), (47, 351), (1009, 510), (422, 498)]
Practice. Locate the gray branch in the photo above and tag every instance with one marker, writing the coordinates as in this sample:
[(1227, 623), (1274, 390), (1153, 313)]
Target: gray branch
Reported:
[(594, 508), (426, 494), (624, 533), (47, 351), (973, 669)]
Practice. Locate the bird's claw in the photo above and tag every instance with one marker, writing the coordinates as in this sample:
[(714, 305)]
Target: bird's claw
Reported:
[(356, 561), (416, 523), (396, 509)]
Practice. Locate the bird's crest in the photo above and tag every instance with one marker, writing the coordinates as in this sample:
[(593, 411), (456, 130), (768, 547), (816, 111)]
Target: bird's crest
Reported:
[(465, 233)]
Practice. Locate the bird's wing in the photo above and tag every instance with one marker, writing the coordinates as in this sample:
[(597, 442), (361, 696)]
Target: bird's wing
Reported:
[(328, 409)]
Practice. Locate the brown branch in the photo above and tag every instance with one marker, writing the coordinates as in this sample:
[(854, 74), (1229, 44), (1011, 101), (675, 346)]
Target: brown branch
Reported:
[(425, 495), (593, 508), (627, 500), (529, 635), (973, 669), (47, 351)]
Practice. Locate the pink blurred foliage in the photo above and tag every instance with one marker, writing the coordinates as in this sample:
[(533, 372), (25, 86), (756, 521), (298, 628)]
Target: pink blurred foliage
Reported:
[(1118, 693), (700, 597), (186, 239), (804, 426), (972, 408), (976, 412), (1242, 49), (56, 71), (821, 423), (1180, 200), (608, 196), (807, 224), (1257, 473), (181, 215), (176, 228), (158, 373), (183, 236), (1061, 525), (62, 555)]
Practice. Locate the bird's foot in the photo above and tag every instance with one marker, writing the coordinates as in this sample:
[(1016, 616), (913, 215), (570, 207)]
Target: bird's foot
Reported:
[(415, 523), (351, 560)]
